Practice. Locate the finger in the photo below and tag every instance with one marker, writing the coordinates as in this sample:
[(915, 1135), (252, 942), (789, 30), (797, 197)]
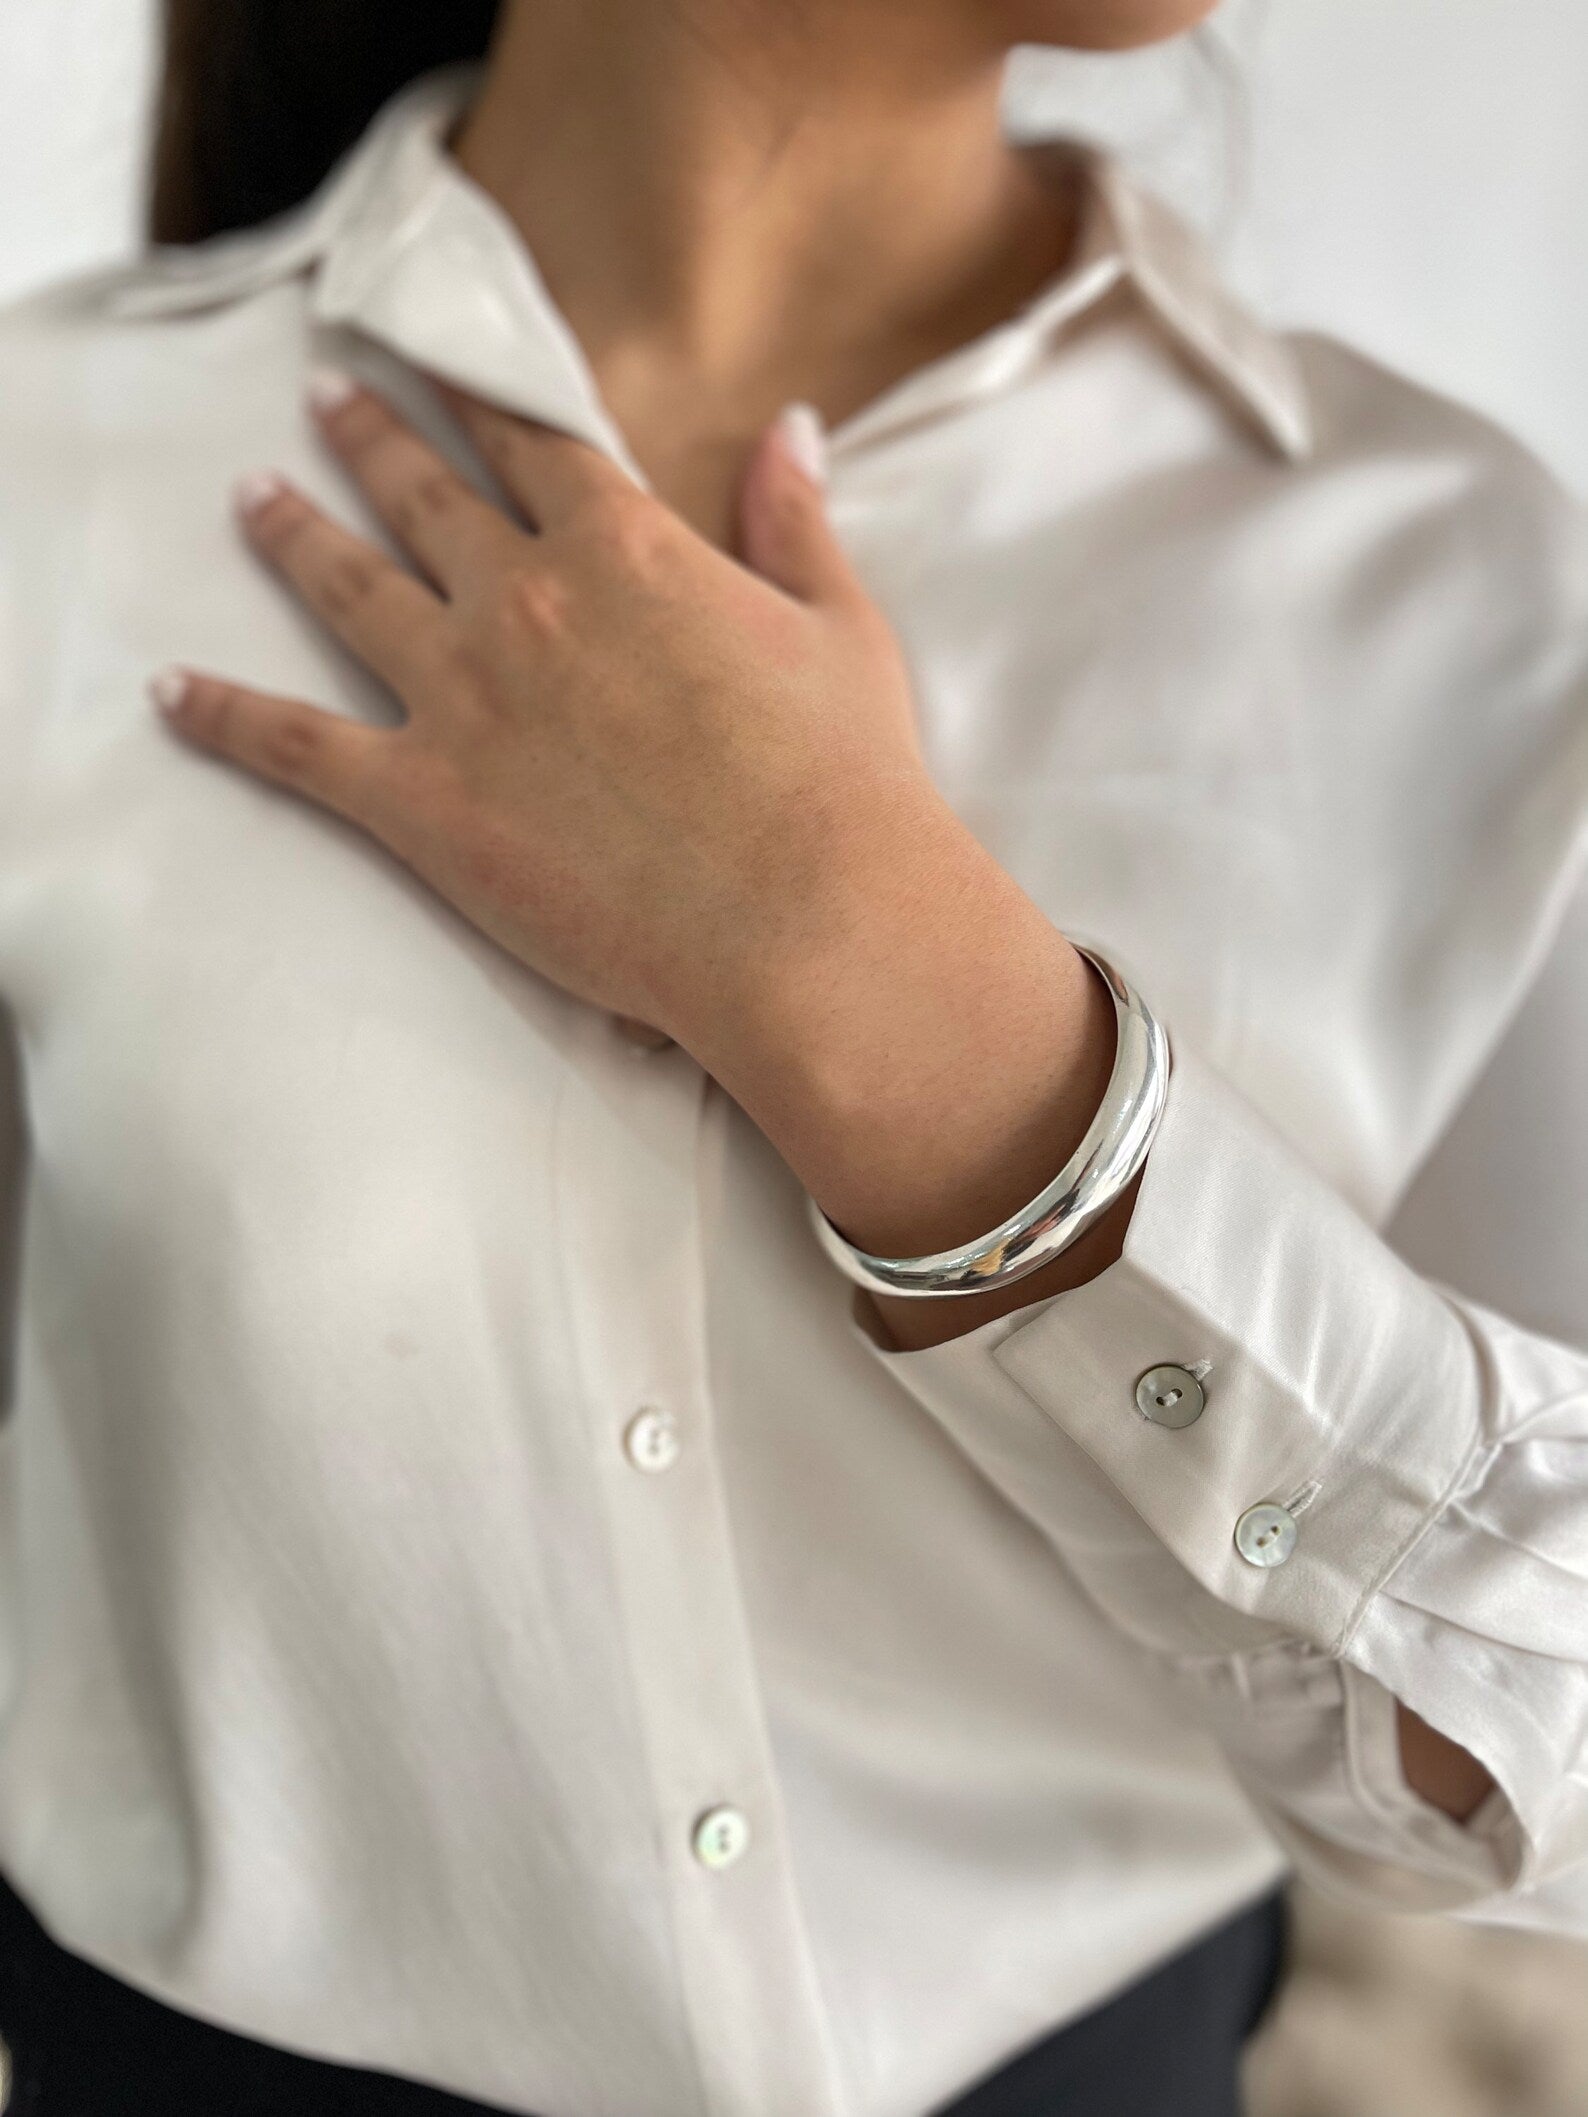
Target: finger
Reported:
[(549, 473), (391, 621), (336, 762), (784, 530), (453, 532)]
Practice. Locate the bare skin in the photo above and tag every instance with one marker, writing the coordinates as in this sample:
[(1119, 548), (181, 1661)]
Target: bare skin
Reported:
[(736, 206)]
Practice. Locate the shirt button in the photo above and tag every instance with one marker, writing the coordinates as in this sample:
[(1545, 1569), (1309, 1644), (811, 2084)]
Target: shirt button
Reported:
[(650, 1439), (1170, 1396), (1266, 1535), (721, 1835)]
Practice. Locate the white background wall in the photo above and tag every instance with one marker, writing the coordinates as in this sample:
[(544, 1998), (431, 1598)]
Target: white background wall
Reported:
[(1415, 172)]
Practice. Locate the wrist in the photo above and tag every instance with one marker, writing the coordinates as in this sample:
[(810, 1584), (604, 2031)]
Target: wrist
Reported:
[(931, 1051)]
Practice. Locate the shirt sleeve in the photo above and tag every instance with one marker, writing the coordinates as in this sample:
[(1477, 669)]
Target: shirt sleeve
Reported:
[(1411, 1409)]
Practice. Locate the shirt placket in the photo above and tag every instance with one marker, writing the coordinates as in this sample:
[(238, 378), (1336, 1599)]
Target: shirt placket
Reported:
[(629, 1209)]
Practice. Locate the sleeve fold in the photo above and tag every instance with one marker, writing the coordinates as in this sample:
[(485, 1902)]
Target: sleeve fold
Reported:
[(1431, 1455)]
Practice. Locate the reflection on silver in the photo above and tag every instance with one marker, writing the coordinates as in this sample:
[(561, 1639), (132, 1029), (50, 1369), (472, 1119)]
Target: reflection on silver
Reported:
[(1102, 1167)]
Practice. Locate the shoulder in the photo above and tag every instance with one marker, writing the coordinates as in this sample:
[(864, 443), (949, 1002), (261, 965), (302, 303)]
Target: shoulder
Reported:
[(1451, 597), (1443, 571), (129, 399), (109, 300), (121, 377), (134, 321), (1446, 490), (38, 329)]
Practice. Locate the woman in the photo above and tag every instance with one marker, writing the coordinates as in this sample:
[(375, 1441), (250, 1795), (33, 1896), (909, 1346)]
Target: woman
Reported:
[(575, 1543)]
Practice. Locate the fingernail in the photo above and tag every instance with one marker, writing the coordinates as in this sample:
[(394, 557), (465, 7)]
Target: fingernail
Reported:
[(805, 438), (330, 389), (169, 688), (256, 490)]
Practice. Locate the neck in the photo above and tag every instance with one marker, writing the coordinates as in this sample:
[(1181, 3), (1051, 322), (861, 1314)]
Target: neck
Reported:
[(738, 204)]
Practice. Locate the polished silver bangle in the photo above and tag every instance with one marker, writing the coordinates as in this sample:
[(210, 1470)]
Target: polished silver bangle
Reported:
[(1102, 1167)]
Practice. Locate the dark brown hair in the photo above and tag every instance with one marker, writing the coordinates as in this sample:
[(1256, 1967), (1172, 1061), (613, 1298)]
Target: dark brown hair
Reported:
[(259, 97)]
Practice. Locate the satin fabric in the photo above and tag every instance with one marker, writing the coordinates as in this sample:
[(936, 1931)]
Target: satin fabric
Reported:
[(362, 1692)]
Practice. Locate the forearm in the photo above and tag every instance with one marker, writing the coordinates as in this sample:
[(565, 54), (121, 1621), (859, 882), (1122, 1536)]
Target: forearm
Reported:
[(1445, 1774), (930, 1072)]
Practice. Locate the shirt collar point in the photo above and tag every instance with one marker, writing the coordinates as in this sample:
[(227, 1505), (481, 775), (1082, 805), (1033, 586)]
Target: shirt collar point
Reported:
[(1171, 264)]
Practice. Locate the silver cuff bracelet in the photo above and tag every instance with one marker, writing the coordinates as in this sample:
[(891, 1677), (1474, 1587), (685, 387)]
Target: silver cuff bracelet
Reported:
[(1102, 1167)]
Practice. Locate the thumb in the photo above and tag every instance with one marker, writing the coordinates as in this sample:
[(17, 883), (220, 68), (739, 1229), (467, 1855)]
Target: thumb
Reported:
[(784, 531)]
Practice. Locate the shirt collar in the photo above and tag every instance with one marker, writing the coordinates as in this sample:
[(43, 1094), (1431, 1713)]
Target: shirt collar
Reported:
[(400, 243)]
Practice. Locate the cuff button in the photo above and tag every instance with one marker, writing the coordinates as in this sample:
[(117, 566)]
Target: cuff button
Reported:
[(1170, 1396), (1266, 1535)]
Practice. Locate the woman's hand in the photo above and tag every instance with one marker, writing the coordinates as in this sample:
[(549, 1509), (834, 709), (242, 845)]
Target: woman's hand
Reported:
[(643, 768), (689, 791)]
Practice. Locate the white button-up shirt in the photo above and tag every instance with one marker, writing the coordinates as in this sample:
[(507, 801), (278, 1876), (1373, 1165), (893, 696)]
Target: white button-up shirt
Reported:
[(476, 1601)]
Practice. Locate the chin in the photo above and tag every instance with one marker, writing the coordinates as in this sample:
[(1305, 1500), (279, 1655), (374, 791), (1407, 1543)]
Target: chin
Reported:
[(1104, 25)]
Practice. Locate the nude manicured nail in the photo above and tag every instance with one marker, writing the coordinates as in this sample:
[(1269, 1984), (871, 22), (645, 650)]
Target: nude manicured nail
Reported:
[(169, 689), (330, 389), (805, 438), (257, 489)]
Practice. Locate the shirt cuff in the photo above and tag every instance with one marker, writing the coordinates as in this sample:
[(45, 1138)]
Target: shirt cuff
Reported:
[(1337, 1385)]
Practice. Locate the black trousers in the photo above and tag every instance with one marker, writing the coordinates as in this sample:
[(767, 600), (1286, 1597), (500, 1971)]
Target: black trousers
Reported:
[(86, 2045)]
